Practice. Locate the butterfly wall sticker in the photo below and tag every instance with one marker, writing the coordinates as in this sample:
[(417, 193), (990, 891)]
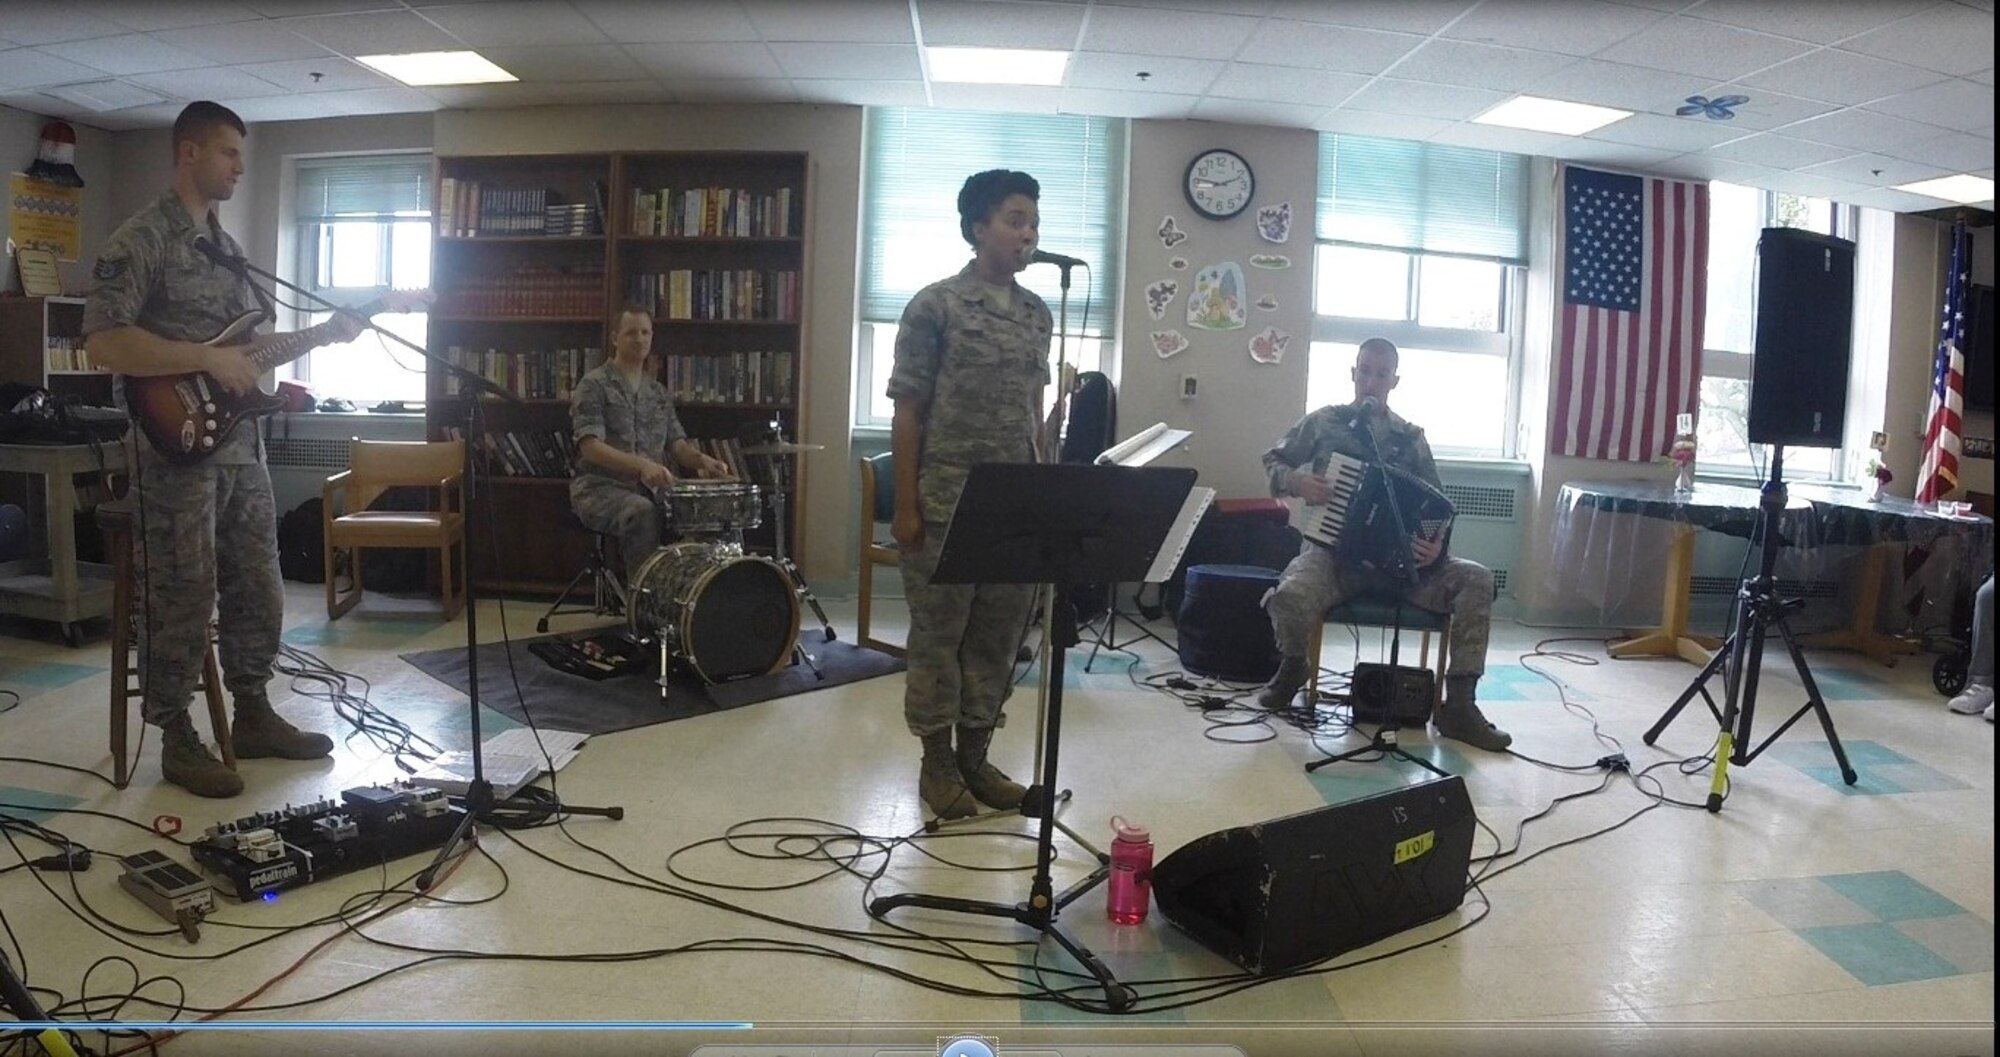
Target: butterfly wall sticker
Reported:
[(1721, 108), (1171, 233)]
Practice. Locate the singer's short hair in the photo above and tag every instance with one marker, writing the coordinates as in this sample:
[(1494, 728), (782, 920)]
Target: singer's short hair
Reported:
[(1381, 345), (629, 308), (199, 119), (983, 192)]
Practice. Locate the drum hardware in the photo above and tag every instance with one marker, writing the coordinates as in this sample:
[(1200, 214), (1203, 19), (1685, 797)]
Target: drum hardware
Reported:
[(722, 613)]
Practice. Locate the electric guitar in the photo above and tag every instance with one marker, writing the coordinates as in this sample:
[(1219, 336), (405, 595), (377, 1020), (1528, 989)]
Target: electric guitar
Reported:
[(188, 416)]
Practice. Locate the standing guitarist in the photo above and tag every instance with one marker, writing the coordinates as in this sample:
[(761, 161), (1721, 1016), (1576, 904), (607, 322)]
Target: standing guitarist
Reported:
[(208, 528)]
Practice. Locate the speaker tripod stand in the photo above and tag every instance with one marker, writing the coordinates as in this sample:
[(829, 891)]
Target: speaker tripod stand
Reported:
[(1759, 608)]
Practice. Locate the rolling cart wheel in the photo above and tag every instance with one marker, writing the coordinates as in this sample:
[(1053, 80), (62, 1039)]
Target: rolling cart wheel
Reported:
[(1948, 673)]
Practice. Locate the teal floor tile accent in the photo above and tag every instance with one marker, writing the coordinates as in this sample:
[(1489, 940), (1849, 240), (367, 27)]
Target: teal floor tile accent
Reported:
[(1892, 895), (349, 631), (1804, 902), (42, 676), (1881, 770), (1841, 684), (1152, 965), (1962, 939), (1878, 954), (37, 802), (1511, 682)]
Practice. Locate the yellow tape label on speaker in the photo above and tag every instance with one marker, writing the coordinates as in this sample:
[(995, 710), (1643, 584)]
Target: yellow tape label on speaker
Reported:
[(1415, 846)]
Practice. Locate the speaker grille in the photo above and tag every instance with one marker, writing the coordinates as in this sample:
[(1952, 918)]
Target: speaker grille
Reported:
[(1481, 501), (1724, 587), (307, 453)]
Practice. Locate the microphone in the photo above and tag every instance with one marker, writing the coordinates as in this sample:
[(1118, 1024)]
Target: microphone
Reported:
[(1363, 408), (1057, 259)]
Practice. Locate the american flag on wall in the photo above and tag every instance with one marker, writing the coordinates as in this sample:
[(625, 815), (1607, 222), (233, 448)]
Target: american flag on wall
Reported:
[(1939, 474), (1633, 262)]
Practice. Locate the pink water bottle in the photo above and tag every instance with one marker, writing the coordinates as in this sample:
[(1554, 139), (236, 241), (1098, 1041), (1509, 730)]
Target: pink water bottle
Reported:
[(1131, 872)]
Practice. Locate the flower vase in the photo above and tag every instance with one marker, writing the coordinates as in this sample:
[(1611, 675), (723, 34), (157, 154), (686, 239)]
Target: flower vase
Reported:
[(1684, 477)]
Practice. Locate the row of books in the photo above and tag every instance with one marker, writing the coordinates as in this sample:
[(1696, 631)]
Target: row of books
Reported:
[(66, 353), (522, 452), (770, 472), (711, 212), (529, 374), (730, 378), (471, 209), (530, 290), (729, 294)]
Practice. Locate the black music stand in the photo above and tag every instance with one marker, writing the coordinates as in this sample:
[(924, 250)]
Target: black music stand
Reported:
[(1054, 525)]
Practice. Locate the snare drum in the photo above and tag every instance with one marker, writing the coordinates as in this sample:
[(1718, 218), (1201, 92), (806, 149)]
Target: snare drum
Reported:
[(725, 614), (715, 507)]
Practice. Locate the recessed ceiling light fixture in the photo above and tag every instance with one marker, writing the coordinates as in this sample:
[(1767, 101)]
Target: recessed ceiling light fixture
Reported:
[(997, 65), (1964, 188), (421, 69), (1551, 115)]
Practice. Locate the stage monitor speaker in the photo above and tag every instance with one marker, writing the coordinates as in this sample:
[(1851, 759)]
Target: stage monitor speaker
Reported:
[(1299, 889), (1402, 695), (1805, 326)]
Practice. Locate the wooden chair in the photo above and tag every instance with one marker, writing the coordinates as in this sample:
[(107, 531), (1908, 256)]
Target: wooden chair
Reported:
[(1371, 610), (374, 467), (878, 507)]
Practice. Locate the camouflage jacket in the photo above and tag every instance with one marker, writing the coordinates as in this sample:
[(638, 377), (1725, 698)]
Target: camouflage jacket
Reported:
[(1330, 429), (637, 418)]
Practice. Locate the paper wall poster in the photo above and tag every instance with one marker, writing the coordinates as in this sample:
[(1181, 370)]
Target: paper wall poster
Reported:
[(46, 216), (1159, 294), (1269, 345), (1178, 264), (1169, 343), (1171, 234), (1267, 303), (1274, 223), (1217, 301), (1272, 261)]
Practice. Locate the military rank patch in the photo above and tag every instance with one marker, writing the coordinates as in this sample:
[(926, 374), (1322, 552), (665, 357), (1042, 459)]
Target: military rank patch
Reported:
[(109, 268)]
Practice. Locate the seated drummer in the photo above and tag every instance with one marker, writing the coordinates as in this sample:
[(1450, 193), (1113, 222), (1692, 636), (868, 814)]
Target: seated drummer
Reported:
[(1319, 578), (624, 425)]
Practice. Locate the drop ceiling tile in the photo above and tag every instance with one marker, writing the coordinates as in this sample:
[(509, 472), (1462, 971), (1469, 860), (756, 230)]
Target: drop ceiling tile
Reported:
[(1767, 109), (1000, 24), (1380, 125), (1119, 73), (855, 21), (1949, 38), (1618, 85), (515, 23), (243, 42), (300, 8), (1101, 103), (1706, 49), (1899, 201), (1842, 77), (1956, 103), (1820, 23), (37, 23), (687, 62), (751, 90), (1449, 102), (1338, 48), (285, 108), (1984, 76), (1625, 157), (1708, 167), (1479, 65), (859, 62), (335, 74), (1815, 186), (1253, 112), (1957, 151), (49, 106), (1778, 152), (398, 100), (159, 115), (1286, 84), (1138, 31), (213, 82), (127, 54), (1031, 99), (1677, 134), (1253, 8), (374, 33), (105, 95), (29, 68), (567, 62), (862, 93), (1878, 170), (1862, 130), (688, 21), (1493, 137), (148, 15), (1572, 27), (550, 93), (1403, 16)]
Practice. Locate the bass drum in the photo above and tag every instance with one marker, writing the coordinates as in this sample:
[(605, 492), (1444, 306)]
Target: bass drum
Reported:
[(724, 614)]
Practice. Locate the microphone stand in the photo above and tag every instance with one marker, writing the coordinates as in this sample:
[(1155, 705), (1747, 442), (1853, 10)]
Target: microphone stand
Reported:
[(478, 800), (1383, 741)]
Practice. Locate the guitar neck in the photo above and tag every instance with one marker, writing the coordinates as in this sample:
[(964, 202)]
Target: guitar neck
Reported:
[(281, 349)]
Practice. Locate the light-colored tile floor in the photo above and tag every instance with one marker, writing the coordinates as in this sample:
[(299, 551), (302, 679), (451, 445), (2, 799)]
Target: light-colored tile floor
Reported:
[(1681, 932)]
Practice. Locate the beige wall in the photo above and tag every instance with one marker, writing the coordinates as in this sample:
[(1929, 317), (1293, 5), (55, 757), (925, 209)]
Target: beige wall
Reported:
[(20, 139)]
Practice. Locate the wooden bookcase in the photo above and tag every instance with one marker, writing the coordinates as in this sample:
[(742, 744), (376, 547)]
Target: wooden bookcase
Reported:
[(727, 273), (41, 344)]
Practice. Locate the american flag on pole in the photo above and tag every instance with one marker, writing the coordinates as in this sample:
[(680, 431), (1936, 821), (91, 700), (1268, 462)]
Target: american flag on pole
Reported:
[(1633, 263), (1943, 427)]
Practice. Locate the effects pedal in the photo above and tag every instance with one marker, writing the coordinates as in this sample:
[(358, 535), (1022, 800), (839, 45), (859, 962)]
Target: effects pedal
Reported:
[(371, 825), (173, 891)]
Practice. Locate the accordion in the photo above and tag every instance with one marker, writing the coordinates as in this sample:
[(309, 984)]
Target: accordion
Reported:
[(1356, 523)]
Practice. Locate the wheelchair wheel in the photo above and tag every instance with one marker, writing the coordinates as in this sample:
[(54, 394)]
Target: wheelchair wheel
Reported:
[(1948, 673)]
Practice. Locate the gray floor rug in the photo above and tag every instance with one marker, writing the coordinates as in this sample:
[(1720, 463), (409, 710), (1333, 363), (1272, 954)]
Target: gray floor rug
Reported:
[(571, 702)]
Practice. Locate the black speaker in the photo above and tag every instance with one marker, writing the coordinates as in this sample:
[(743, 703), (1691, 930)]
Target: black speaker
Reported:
[(1805, 326), (1299, 889), (1221, 625), (1402, 695)]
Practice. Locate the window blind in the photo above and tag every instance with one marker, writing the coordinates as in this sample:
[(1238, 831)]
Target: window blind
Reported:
[(359, 188), (917, 160), (1423, 197)]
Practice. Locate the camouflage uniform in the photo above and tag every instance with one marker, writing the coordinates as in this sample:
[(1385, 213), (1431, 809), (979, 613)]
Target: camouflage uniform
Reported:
[(211, 526), (979, 367), (1318, 578), (637, 418)]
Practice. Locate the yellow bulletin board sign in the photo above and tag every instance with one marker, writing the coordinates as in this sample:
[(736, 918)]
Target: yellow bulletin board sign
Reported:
[(46, 216)]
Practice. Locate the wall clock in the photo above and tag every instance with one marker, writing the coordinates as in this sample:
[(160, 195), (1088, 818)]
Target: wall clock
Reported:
[(1219, 184)]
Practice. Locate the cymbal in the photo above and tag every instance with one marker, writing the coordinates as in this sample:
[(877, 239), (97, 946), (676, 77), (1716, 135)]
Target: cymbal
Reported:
[(786, 448)]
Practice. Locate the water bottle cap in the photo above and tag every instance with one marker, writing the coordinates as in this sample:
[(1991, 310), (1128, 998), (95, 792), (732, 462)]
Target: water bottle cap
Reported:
[(1130, 831)]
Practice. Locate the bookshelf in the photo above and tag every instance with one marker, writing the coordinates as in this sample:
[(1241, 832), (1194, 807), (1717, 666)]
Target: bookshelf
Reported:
[(41, 345), (713, 241)]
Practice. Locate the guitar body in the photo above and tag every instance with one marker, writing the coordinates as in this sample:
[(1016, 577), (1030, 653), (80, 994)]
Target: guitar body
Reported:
[(189, 416)]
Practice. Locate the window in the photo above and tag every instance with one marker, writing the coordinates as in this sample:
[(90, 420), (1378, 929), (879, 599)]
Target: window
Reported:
[(363, 229), (1424, 246), (916, 162), (1737, 215)]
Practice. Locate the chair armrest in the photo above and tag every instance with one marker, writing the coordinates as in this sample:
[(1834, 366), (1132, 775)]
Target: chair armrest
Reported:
[(446, 485), (333, 484)]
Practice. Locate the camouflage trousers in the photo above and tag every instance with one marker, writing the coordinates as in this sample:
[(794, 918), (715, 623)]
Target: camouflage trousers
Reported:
[(961, 646), (1314, 582), (208, 533), (622, 510)]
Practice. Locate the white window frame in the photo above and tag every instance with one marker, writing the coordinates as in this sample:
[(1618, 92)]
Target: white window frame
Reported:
[(307, 234)]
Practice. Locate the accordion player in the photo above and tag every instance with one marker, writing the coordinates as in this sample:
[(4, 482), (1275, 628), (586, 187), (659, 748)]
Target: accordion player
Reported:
[(1357, 524)]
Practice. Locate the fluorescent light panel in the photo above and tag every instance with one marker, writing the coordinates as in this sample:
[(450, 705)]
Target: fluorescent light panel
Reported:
[(1551, 115), (426, 68), (1964, 188), (997, 65)]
